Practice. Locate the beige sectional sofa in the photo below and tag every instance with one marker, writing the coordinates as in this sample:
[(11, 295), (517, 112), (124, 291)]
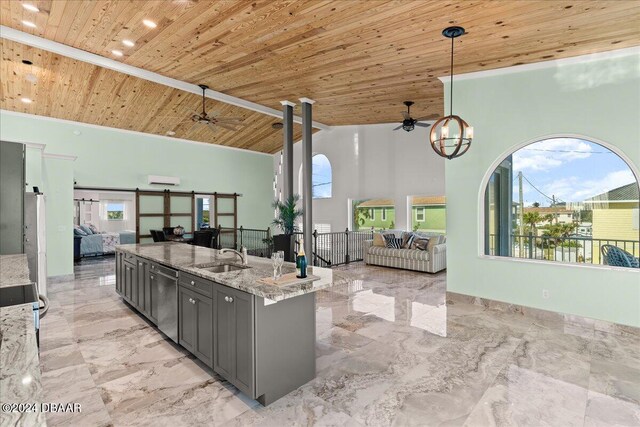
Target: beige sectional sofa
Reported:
[(432, 260)]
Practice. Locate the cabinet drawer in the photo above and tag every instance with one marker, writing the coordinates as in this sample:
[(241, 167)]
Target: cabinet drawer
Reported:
[(198, 284)]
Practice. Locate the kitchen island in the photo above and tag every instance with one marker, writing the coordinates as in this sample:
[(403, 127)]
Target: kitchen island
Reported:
[(20, 383), (258, 336)]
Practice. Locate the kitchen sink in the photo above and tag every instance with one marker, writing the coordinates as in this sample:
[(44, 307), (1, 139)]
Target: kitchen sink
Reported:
[(220, 268)]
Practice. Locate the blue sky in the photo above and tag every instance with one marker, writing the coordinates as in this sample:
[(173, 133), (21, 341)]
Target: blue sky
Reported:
[(321, 176), (570, 169)]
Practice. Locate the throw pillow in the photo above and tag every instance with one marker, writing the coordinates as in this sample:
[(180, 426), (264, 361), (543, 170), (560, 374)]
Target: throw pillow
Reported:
[(86, 229), (77, 231), (392, 242), (407, 239), (420, 243), (93, 228), (378, 240), (435, 240)]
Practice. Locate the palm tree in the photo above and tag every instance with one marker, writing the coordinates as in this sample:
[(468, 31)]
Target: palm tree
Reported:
[(287, 214), (531, 219)]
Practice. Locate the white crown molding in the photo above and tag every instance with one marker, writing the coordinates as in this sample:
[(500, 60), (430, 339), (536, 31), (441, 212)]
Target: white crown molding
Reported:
[(288, 103), (59, 156), (101, 61), (35, 145), (307, 100), (126, 131), (618, 53)]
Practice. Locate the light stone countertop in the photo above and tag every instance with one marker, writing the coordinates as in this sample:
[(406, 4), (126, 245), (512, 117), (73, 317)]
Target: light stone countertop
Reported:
[(19, 360), (14, 270), (184, 257)]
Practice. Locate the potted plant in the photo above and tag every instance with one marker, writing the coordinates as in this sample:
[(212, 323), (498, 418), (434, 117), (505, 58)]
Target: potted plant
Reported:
[(287, 213)]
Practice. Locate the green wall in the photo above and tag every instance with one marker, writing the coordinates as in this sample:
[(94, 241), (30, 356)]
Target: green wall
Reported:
[(58, 189), (593, 99), (435, 218), (377, 222), (111, 158)]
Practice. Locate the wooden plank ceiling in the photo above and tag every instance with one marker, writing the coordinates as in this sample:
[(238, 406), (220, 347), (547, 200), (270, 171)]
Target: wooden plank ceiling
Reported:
[(82, 92), (358, 59)]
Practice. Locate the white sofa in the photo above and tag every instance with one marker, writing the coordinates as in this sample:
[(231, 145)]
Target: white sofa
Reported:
[(430, 261)]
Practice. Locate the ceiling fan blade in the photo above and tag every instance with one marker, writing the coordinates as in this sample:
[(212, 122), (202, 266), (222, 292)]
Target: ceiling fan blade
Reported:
[(212, 127), (429, 117), (405, 115), (227, 126), (228, 120), (398, 128), (422, 125)]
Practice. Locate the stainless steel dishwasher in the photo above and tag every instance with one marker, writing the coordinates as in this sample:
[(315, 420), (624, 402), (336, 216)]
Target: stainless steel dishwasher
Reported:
[(166, 281)]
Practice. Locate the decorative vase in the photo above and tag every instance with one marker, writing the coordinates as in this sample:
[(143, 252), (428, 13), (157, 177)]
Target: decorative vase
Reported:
[(178, 231)]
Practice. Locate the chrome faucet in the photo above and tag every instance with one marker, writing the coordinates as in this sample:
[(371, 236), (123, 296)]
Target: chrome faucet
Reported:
[(243, 254)]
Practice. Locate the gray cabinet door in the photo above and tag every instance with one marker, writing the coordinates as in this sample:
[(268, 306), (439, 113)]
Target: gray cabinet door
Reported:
[(223, 333), (129, 279), (119, 272), (152, 294), (142, 277), (195, 325), (244, 375), (234, 350), (204, 330), (187, 317)]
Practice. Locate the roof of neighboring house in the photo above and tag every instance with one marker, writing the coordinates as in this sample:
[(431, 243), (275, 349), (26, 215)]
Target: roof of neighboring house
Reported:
[(376, 203), (428, 200), (416, 201), (548, 210), (627, 192)]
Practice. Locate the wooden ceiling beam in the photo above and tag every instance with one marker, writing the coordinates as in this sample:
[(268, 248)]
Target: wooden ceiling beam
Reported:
[(101, 61)]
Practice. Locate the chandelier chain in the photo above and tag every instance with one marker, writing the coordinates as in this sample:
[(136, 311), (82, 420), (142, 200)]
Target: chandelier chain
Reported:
[(451, 83)]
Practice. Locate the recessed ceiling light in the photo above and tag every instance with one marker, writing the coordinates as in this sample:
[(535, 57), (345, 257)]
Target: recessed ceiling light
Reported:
[(29, 24), (117, 52), (149, 23), (26, 100), (30, 7), (31, 78), (128, 43), (170, 133)]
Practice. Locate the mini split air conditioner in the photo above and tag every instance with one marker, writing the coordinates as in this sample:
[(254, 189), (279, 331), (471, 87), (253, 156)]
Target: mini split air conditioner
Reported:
[(163, 180)]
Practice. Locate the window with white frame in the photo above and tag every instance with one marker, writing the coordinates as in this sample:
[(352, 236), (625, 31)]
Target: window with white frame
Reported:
[(321, 177), (115, 211), (566, 200), (420, 214)]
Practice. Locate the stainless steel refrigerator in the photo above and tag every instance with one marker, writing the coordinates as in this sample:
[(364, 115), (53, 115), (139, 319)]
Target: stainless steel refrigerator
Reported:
[(35, 244)]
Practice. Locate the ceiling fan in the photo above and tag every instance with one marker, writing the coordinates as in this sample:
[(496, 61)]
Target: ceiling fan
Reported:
[(409, 123), (203, 118)]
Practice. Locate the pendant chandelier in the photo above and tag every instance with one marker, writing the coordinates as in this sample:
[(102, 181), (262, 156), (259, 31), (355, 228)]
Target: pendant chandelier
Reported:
[(451, 136)]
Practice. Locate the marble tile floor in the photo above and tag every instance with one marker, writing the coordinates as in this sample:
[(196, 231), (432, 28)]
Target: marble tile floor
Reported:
[(390, 351)]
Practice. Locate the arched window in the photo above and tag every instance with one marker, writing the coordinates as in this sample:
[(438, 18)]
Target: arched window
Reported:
[(321, 179), (565, 200)]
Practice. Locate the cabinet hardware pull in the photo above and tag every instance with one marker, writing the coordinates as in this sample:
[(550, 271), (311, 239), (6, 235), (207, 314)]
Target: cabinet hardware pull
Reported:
[(193, 283), (226, 299), (140, 264), (150, 277), (230, 299), (193, 301)]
